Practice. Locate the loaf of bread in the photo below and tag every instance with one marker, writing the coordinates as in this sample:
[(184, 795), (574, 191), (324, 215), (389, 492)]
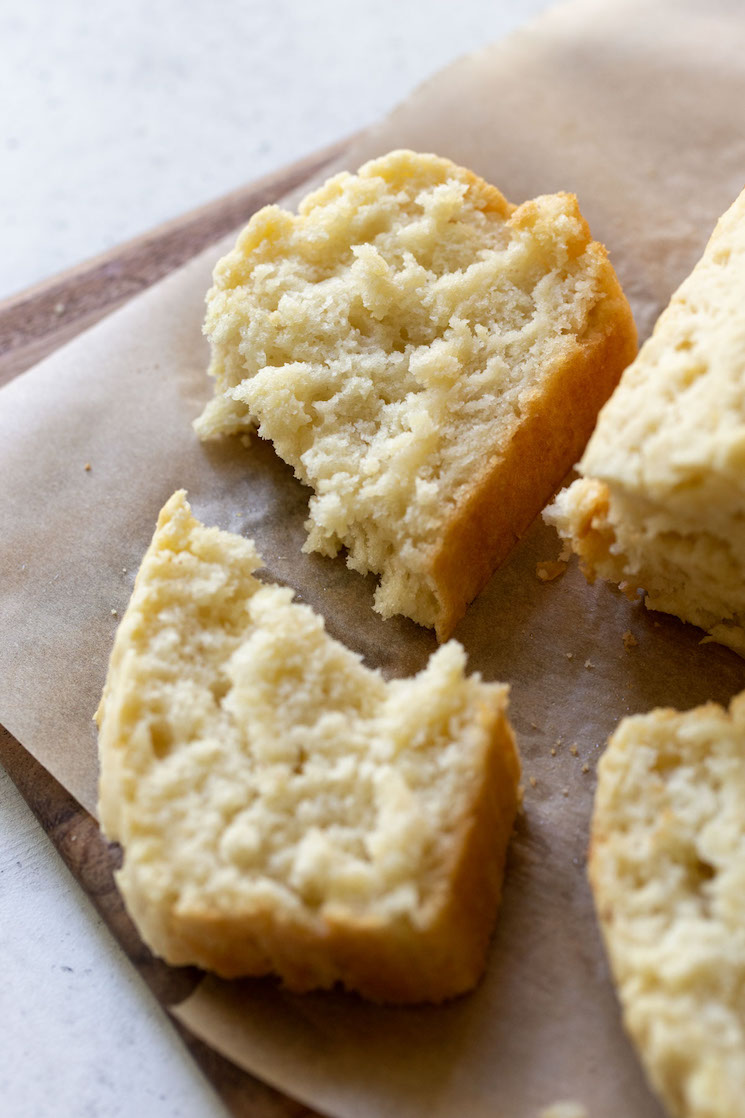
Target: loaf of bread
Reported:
[(667, 868), (429, 359), (661, 505), (282, 808)]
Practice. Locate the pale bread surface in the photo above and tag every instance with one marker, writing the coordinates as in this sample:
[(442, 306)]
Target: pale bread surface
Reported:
[(661, 505), (667, 868), (429, 358), (282, 808)]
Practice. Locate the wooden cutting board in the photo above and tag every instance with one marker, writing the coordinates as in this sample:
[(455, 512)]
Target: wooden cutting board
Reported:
[(32, 325)]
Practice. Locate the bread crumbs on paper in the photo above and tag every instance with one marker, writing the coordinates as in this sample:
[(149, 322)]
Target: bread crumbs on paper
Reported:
[(87, 467), (585, 768), (589, 664), (573, 749), (549, 569), (629, 640), (532, 781), (569, 655)]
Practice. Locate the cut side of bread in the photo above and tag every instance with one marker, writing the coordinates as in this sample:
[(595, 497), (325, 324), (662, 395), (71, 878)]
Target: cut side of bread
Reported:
[(661, 505), (429, 358), (281, 807), (667, 868)]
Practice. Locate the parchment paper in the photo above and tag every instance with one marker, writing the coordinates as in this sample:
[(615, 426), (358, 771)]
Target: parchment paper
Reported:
[(637, 107)]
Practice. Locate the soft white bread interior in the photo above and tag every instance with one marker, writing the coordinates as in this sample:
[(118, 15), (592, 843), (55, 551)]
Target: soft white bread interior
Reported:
[(661, 505), (281, 807), (429, 358), (667, 867)]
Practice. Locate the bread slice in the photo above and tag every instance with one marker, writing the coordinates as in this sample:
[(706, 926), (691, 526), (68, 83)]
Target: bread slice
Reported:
[(429, 359), (281, 807), (661, 505), (667, 868)]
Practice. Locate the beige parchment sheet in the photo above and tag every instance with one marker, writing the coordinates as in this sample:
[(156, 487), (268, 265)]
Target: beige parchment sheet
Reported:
[(639, 107)]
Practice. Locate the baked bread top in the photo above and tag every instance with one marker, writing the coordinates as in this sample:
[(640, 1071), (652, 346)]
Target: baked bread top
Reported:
[(674, 430), (281, 807), (662, 504), (429, 358), (667, 868)]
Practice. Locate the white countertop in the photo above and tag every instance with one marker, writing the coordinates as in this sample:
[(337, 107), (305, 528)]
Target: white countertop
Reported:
[(122, 116)]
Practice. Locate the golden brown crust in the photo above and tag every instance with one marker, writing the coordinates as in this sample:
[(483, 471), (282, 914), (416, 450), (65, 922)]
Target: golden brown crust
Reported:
[(388, 963), (523, 474)]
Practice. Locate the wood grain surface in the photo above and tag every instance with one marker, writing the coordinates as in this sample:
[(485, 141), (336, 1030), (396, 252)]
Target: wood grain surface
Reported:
[(32, 325)]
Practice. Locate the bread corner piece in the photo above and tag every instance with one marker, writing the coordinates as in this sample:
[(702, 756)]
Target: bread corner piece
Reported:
[(661, 505), (281, 807), (429, 358), (667, 868)]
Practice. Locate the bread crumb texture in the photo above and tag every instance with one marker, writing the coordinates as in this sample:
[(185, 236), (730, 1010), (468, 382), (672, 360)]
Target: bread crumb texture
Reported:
[(281, 807), (661, 505), (667, 868), (429, 358)]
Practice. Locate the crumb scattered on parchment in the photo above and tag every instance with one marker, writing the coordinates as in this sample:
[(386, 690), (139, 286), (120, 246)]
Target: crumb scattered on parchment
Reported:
[(114, 613), (569, 655), (534, 725), (87, 467), (245, 440), (124, 570), (565, 791), (553, 750), (549, 569), (573, 749), (59, 309), (532, 781), (629, 640), (585, 768), (589, 664), (564, 1110)]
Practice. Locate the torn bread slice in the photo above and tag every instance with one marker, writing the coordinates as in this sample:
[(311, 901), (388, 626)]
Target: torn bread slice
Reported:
[(281, 807), (661, 505), (667, 868), (429, 358)]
